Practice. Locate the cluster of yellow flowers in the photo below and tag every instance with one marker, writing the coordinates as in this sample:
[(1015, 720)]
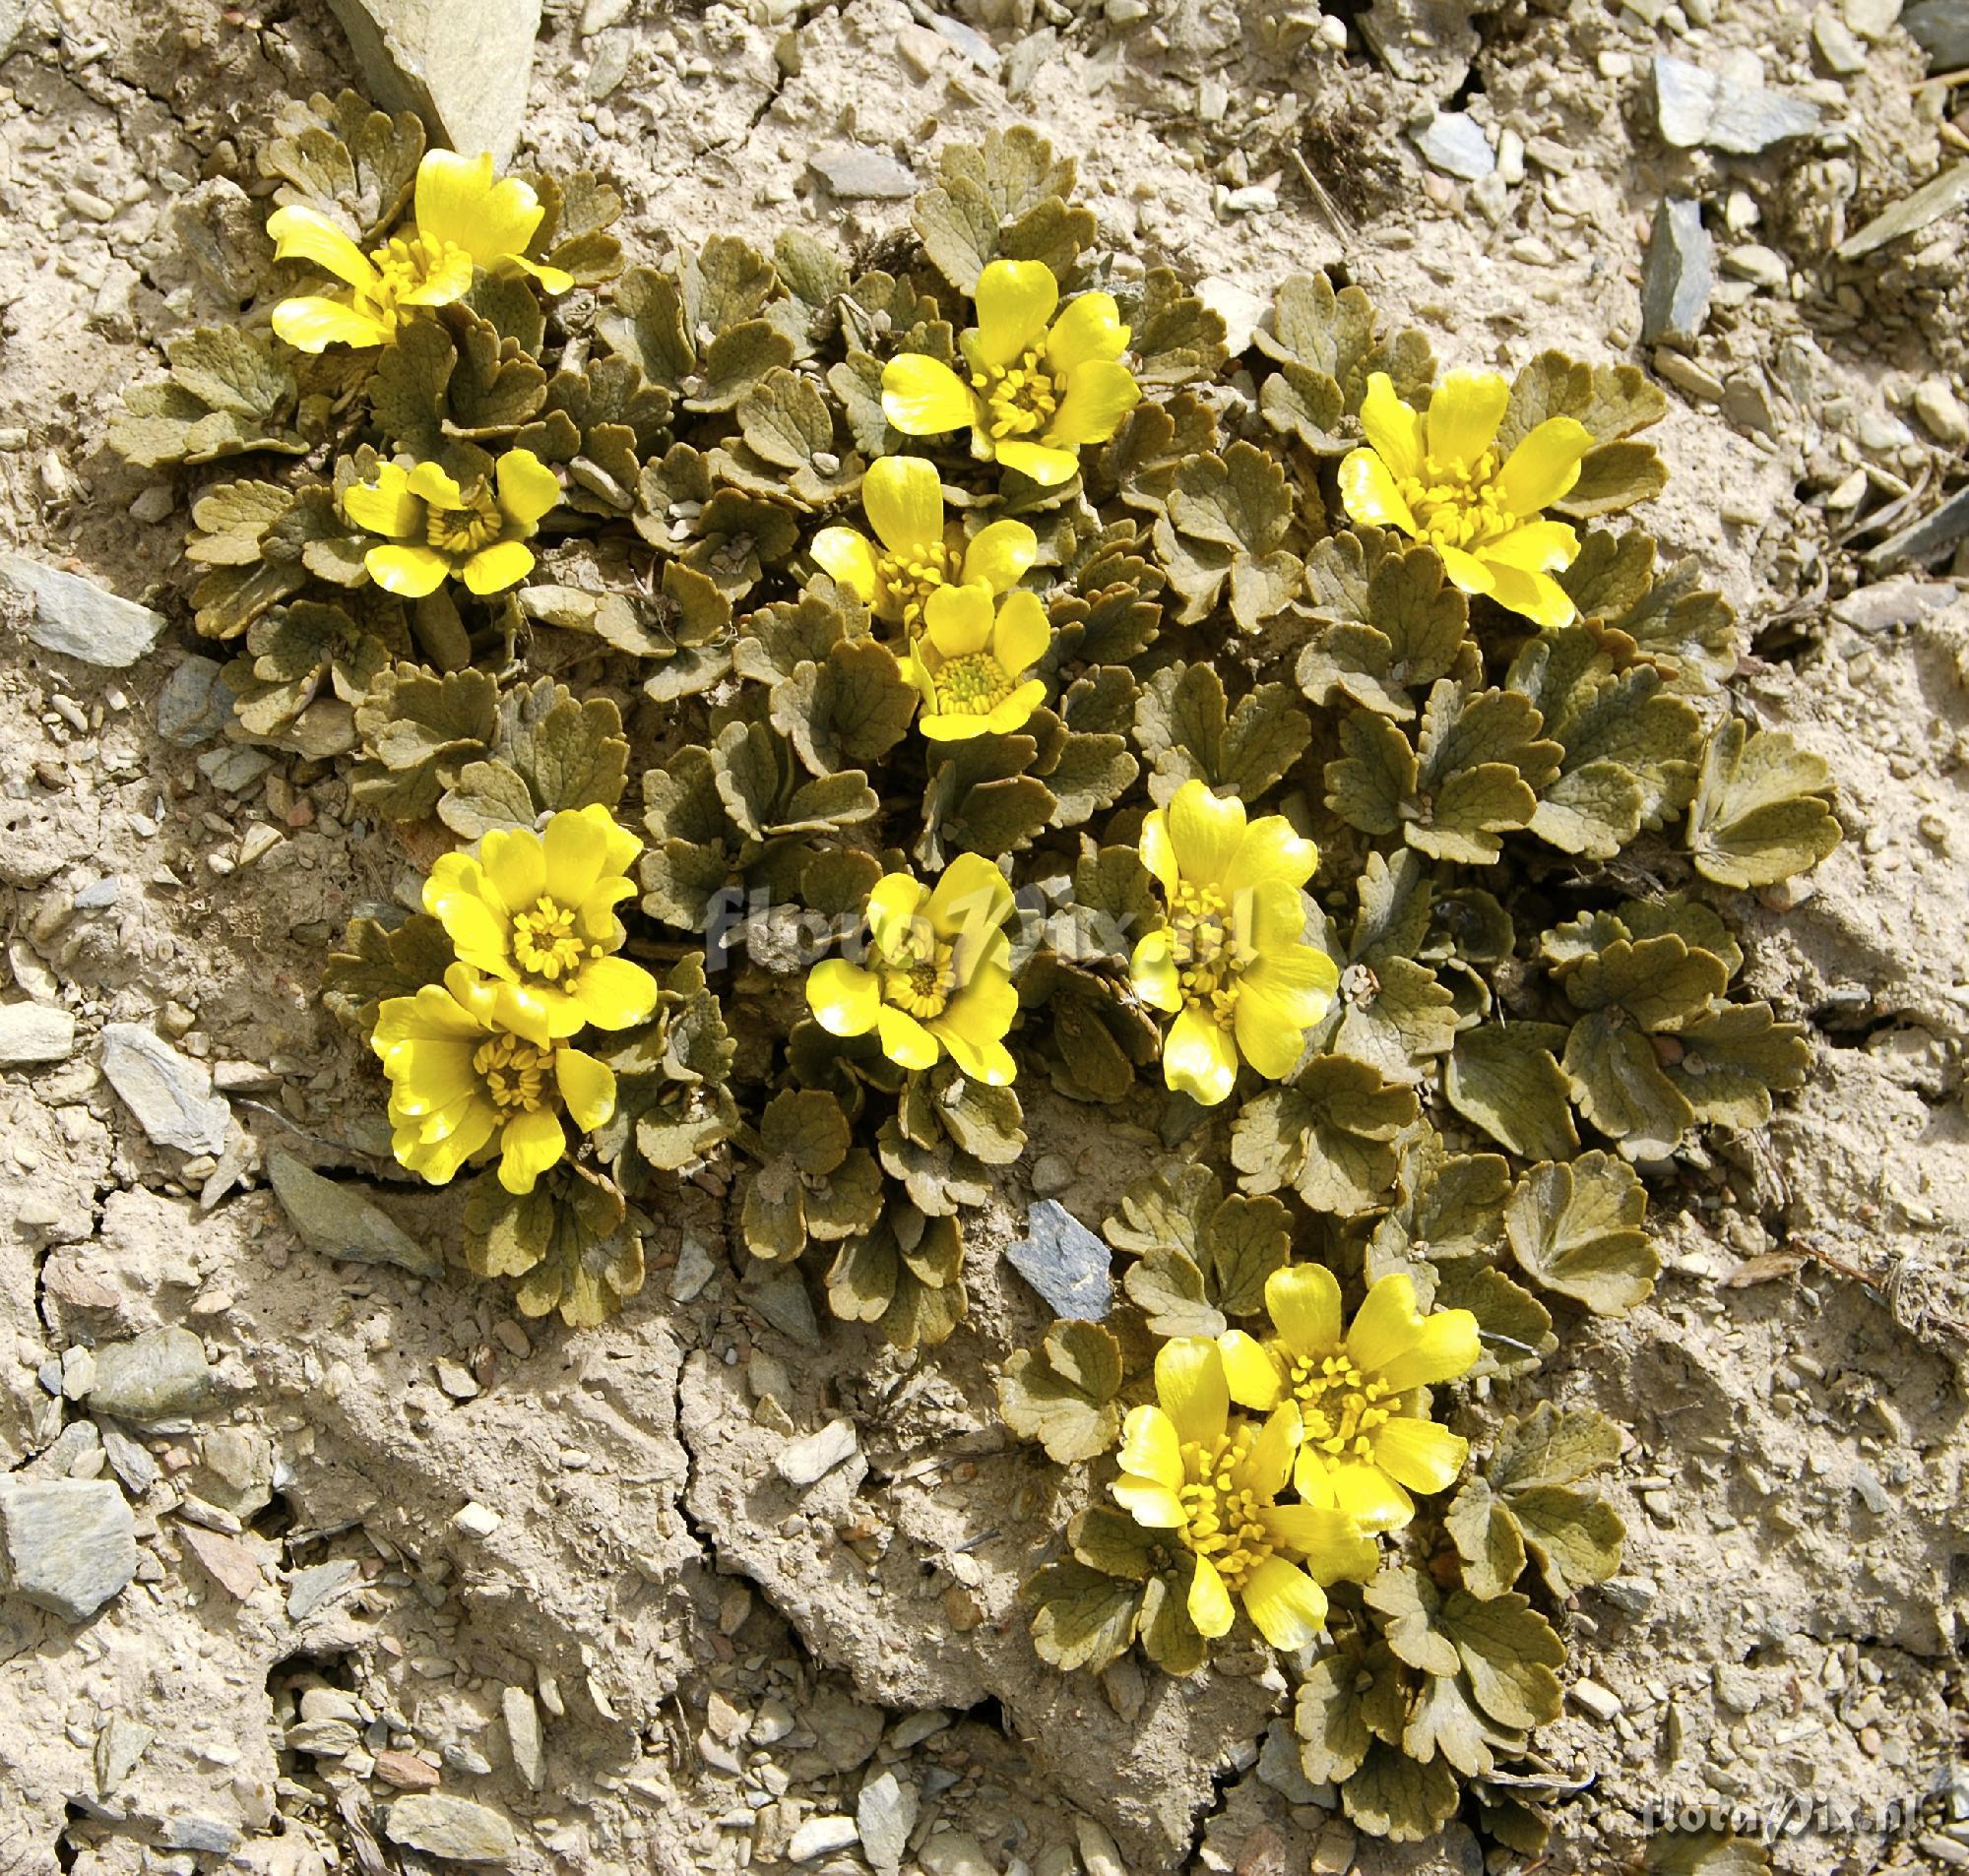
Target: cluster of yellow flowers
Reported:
[(1340, 1419), (483, 1063)]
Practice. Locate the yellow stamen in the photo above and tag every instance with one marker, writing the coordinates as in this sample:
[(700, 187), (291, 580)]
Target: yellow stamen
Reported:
[(463, 530), (1207, 950), (1457, 504), (1224, 1520), (917, 971), (1020, 398), (911, 575), (517, 1075), (1339, 1406), (546, 943), (972, 685)]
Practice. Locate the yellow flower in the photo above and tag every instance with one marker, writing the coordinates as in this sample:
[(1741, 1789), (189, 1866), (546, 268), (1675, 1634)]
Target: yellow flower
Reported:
[(904, 502), (433, 526), (1368, 1433), (938, 974), (463, 1085), (537, 913), (1230, 965), (1190, 1466), (1039, 387), (465, 220), (971, 662), (1437, 479)]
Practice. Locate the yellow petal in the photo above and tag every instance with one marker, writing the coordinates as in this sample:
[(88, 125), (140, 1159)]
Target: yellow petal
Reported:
[(439, 1160), (432, 1013), (845, 999), (312, 324), (1286, 1607), (894, 906), (848, 559), (458, 201), (951, 726), (528, 488), (1000, 555), (971, 901), (1099, 394), (1270, 915), (1291, 989), (1304, 1303), (1158, 852), (958, 620), (385, 506), (1393, 430), (430, 482), (984, 1059), (615, 994), (1369, 1496), (302, 235), (903, 499), (905, 1040), (1387, 1326), (1269, 1463), (1446, 1345), (1015, 300), (1148, 1503), (1537, 595), (1088, 327), (480, 934), (1152, 972), (1465, 568), (1039, 462), (923, 396), (1368, 492), (511, 861), (534, 1011), (1150, 1447), (495, 568), (1190, 1386), (587, 1087), (1209, 1601), (1334, 1547), (1206, 829), (574, 850), (449, 281), (529, 1145), (1270, 849), (1312, 1479), (1013, 713), (407, 572), (1022, 634), (1533, 546), (1419, 1453), (1271, 1045), (1463, 416), (1198, 1059), (1545, 464), (551, 278), (1249, 1371)]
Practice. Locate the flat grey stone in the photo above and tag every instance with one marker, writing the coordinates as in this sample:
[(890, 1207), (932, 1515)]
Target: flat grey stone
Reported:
[(1693, 106), (1064, 1262), (822, 1836), (340, 1220), (855, 173), (885, 1814), (77, 618), (1891, 606), (456, 1828), (1941, 28), (31, 1033), (118, 1747), (1923, 542), (195, 704), (1454, 143), (208, 1836), (1679, 277), (319, 1584), (161, 1375), (523, 1734), (69, 1545), (462, 70), (1939, 196), (782, 1299), (169, 1093), (806, 1461)]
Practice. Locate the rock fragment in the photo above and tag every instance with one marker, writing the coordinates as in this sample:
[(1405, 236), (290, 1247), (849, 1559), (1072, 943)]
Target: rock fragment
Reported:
[(318, 1584), (885, 1814), (1693, 106), (170, 1094), (1942, 195), (227, 1561), (855, 173), (1679, 277), (806, 1461), (1454, 143), (118, 1747), (1061, 1259), (194, 704), (1941, 28), (66, 1544), (77, 618), (821, 1837), (161, 1375), (34, 1033), (457, 1828), (523, 1734), (341, 1221), (469, 86)]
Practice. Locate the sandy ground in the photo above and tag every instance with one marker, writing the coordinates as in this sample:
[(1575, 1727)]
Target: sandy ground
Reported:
[(662, 1657)]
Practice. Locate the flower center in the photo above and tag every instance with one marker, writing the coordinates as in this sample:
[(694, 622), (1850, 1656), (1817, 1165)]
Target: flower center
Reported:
[(463, 530), (917, 971), (1458, 504), (1339, 1406), (546, 943), (1206, 949), (1020, 398), (1224, 1521), (405, 263), (972, 685), (513, 1073), (911, 575)]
